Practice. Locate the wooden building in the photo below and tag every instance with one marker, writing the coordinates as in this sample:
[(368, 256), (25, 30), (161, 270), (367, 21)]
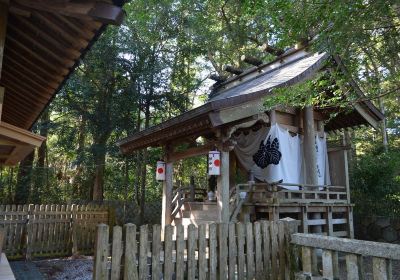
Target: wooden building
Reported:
[(236, 105), (41, 43)]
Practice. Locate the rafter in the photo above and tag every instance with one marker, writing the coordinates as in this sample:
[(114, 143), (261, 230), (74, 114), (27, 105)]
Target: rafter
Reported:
[(86, 10)]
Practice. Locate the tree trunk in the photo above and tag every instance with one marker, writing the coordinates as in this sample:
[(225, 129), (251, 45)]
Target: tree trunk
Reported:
[(41, 171), (24, 179), (99, 159)]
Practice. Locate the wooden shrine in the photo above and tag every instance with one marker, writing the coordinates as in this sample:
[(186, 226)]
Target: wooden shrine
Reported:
[(236, 104)]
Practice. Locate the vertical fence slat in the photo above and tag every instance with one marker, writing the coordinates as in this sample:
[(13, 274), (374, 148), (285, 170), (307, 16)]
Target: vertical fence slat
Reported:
[(249, 251), (306, 259), (241, 256), (232, 250), (180, 252), (379, 269), (213, 250), (274, 249), (266, 248), (168, 248), (116, 253), (202, 252), (102, 253), (282, 258), (258, 244), (223, 250), (191, 252), (352, 267), (327, 264), (155, 254), (143, 265), (130, 263)]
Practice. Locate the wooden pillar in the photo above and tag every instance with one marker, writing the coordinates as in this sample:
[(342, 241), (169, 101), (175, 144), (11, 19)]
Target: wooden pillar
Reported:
[(310, 154), (223, 188), (2, 89), (167, 195), (3, 29), (272, 117)]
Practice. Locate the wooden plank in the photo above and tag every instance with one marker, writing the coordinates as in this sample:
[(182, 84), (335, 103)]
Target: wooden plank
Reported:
[(130, 264), (266, 248), (274, 249), (258, 249), (379, 269), (232, 251), (116, 253), (306, 259), (249, 251), (352, 267), (143, 265), (241, 255), (327, 264), (155, 255), (223, 188), (102, 253), (202, 251), (3, 31), (282, 250), (191, 252), (180, 252), (168, 248), (166, 217), (213, 250), (352, 246), (223, 250)]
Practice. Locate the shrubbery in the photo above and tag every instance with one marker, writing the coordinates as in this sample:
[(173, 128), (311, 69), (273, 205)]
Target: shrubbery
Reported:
[(375, 183)]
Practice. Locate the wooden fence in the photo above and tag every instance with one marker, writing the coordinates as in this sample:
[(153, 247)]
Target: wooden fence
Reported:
[(50, 230), (215, 251), (355, 251)]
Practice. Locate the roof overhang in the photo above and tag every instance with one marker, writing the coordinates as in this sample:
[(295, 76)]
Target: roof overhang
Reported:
[(16, 143), (241, 100), (45, 41)]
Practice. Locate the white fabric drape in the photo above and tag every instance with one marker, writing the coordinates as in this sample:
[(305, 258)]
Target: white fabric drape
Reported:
[(279, 156)]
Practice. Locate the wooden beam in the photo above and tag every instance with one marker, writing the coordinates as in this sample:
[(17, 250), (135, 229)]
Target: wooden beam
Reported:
[(191, 152), (223, 188), (18, 154), (40, 45), (2, 89), (20, 134), (37, 28), (25, 63), (86, 10), (310, 156), (251, 60), (233, 70), (59, 69), (3, 30), (50, 22), (167, 194)]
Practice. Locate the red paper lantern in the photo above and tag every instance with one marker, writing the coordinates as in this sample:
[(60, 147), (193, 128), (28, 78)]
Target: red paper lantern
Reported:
[(214, 163), (160, 171)]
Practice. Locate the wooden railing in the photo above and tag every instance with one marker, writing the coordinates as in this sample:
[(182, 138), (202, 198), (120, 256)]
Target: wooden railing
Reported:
[(185, 194), (50, 230), (278, 193), (217, 251), (354, 250)]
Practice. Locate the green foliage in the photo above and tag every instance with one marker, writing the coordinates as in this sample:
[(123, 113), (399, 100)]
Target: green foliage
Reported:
[(375, 183)]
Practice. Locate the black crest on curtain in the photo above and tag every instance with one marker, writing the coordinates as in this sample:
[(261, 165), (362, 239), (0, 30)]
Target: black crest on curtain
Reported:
[(268, 153)]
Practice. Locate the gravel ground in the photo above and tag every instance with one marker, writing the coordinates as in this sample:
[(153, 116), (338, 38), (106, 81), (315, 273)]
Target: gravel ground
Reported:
[(67, 268)]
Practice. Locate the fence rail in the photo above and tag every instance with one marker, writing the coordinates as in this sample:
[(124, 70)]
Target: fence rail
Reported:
[(215, 251), (355, 251), (50, 230)]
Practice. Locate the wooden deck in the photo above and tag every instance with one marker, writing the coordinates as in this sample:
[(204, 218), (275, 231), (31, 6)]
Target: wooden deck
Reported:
[(5, 269)]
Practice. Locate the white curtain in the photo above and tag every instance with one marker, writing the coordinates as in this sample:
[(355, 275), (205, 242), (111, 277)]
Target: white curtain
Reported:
[(273, 154)]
